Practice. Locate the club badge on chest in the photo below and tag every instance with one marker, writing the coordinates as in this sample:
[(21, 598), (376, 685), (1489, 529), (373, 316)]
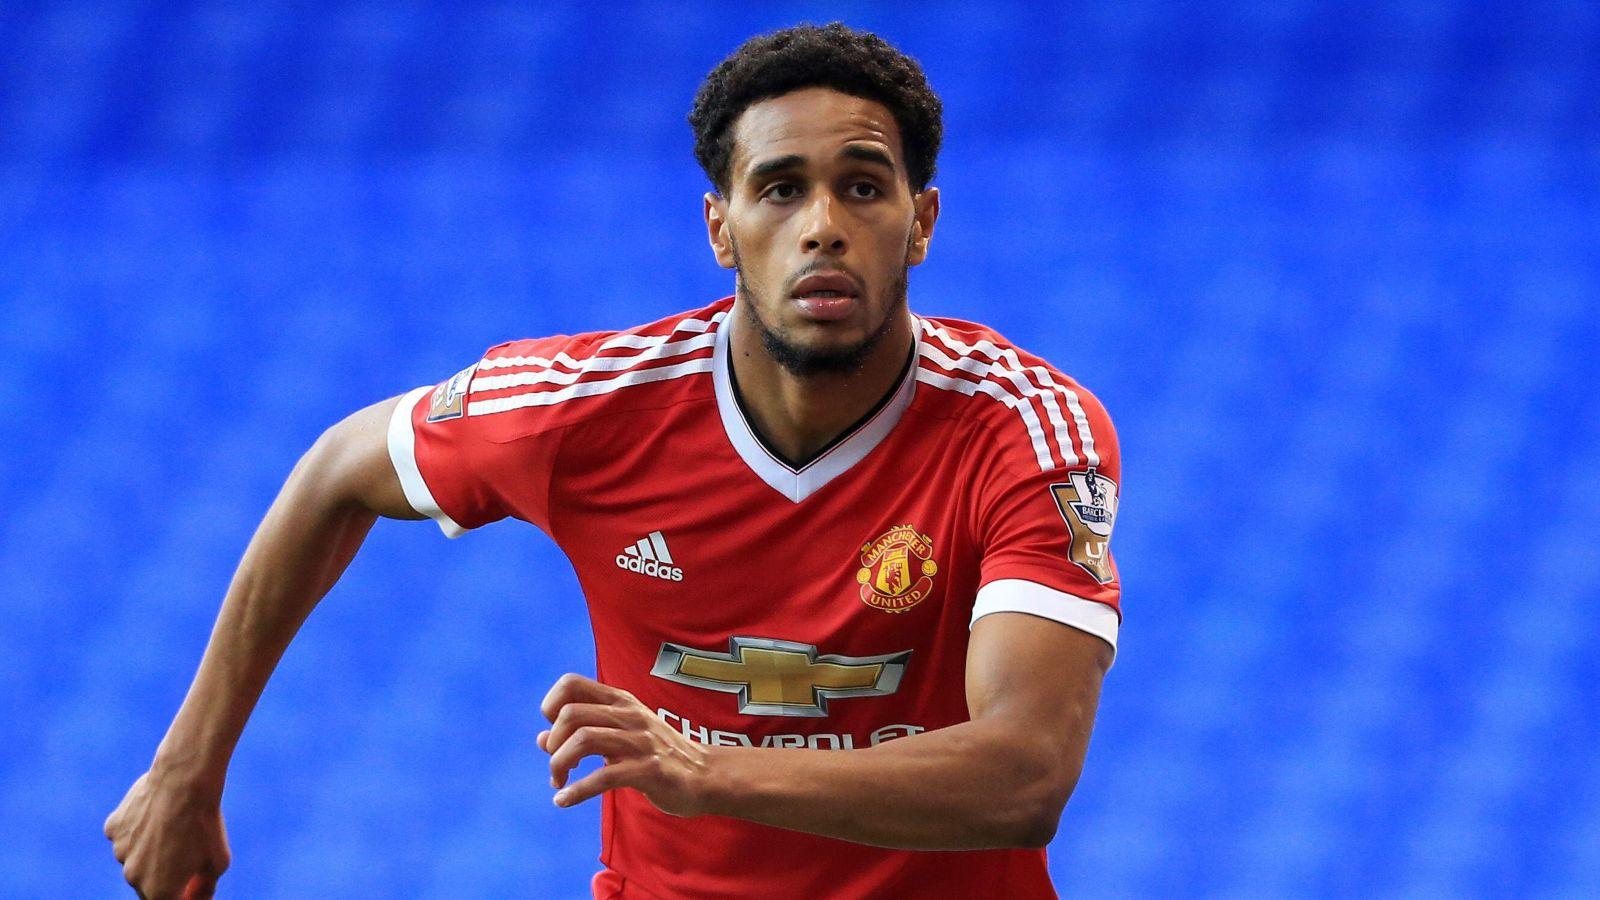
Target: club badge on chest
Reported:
[(897, 569)]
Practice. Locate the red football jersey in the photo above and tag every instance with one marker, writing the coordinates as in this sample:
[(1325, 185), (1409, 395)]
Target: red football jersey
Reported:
[(750, 603)]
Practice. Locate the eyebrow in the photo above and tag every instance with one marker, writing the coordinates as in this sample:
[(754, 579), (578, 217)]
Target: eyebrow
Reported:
[(795, 160), (867, 154), (777, 164)]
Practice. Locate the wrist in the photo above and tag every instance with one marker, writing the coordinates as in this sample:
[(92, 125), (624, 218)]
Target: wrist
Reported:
[(717, 788), (182, 773)]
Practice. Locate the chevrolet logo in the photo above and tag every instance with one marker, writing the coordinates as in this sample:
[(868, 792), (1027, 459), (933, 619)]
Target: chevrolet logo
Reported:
[(781, 678)]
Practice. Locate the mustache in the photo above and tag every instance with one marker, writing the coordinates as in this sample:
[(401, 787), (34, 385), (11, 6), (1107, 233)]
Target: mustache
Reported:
[(818, 268)]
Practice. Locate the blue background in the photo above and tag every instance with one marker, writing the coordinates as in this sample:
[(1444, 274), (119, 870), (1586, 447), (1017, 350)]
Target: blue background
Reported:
[(1332, 267)]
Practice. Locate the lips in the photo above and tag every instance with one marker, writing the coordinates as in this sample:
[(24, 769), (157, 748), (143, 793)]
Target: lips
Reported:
[(826, 296), (822, 285)]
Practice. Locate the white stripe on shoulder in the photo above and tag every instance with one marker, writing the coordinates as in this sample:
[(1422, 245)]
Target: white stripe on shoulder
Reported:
[(993, 388), (512, 362), (592, 364), (1013, 364), (1006, 398), (628, 341), (589, 388), (541, 370), (1012, 373), (640, 342)]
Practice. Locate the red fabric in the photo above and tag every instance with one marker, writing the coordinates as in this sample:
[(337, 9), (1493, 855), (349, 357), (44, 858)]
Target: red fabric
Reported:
[(604, 468)]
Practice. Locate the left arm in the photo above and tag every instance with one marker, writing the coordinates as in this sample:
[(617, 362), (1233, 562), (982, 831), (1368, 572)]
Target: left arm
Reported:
[(998, 780)]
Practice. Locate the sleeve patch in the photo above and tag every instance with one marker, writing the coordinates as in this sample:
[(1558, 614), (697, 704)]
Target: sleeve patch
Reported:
[(1088, 504), (449, 399)]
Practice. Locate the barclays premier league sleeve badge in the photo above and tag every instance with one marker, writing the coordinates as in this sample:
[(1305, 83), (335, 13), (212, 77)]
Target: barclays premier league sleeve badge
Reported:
[(448, 401), (1088, 503)]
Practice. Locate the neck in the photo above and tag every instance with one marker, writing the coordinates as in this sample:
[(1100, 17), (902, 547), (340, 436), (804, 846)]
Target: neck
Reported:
[(798, 415)]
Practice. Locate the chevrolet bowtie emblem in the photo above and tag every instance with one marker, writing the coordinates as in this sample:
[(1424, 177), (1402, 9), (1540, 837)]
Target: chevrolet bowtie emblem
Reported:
[(781, 678)]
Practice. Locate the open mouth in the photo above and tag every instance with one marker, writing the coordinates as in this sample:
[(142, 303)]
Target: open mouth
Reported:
[(826, 296)]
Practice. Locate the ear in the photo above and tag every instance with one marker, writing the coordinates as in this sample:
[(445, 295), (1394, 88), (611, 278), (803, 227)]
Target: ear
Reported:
[(925, 213), (716, 212)]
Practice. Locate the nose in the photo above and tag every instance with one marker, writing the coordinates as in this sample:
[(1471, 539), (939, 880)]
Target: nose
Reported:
[(824, 232)]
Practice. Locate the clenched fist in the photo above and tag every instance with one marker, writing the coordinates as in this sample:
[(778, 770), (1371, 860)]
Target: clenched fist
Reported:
[(640, 751), (171, 841)]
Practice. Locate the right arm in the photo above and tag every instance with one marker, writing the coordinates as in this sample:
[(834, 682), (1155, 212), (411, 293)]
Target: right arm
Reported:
[(168, 831)]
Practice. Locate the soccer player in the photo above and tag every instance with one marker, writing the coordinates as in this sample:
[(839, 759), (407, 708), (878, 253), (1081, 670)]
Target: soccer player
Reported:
[(847, 565)]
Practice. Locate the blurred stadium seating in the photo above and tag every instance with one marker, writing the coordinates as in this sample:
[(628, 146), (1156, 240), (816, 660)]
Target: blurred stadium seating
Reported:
[(1334, 268)]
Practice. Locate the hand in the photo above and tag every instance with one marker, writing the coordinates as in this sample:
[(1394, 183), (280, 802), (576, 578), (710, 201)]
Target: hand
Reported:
[(640, 750), (171, 843)]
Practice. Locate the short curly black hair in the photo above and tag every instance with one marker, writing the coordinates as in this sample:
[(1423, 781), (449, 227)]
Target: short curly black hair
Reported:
[(853, 62)]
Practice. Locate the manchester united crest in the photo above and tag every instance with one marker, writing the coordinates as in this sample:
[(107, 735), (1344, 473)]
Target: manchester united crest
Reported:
[(897, 569)]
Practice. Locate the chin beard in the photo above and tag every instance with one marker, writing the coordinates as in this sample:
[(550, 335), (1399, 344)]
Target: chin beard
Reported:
[(802, 361)]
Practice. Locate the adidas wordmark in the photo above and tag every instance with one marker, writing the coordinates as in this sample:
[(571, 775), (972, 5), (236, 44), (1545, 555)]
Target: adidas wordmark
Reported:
[(649, 556)]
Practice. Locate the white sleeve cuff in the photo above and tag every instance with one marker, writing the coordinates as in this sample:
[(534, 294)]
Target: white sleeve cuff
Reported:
[(403, 453), (1018, 595)]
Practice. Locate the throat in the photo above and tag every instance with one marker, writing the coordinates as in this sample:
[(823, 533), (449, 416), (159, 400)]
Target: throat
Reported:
[(788, 439)]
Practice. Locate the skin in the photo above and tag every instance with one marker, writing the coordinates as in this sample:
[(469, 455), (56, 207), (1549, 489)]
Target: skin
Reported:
[(168, 831), (829, 211), (1032, 685), (1032, 689)]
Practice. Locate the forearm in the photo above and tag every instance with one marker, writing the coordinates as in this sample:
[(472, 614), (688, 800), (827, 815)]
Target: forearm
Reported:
[(302, 546), (979, 784)]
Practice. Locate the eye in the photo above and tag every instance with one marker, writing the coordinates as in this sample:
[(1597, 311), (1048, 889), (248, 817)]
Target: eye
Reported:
[(776, 192), (871, 190)]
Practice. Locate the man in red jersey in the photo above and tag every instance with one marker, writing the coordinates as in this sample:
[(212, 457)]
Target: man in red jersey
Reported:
[(804, 518)]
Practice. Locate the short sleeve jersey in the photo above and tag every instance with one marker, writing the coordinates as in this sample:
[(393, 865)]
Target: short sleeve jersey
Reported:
[(750, 603)]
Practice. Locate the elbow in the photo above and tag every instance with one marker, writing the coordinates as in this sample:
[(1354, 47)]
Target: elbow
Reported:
[(1036, 826), (1028, 822), (1036, 771), (1037, 812), (1036, 839)]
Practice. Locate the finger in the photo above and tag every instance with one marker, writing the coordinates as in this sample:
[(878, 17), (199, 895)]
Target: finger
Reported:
[(200, 887), (586, 741), (575, 688), (627, 773), (589, 740), (576, 715), (111, 822)]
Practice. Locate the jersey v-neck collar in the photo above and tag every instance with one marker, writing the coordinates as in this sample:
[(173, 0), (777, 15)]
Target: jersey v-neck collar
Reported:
[(799, 483), (841, 437)]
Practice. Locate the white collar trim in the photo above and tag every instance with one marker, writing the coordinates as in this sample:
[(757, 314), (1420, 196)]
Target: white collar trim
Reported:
[(799, 484)]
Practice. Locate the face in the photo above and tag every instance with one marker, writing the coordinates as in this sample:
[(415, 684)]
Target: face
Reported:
[(820, 225)]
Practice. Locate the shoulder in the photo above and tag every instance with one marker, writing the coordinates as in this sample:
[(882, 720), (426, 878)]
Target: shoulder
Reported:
[(536, 384), (1040, 418)]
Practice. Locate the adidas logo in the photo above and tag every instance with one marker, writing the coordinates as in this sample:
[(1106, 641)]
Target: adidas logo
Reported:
[(649, 556)]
